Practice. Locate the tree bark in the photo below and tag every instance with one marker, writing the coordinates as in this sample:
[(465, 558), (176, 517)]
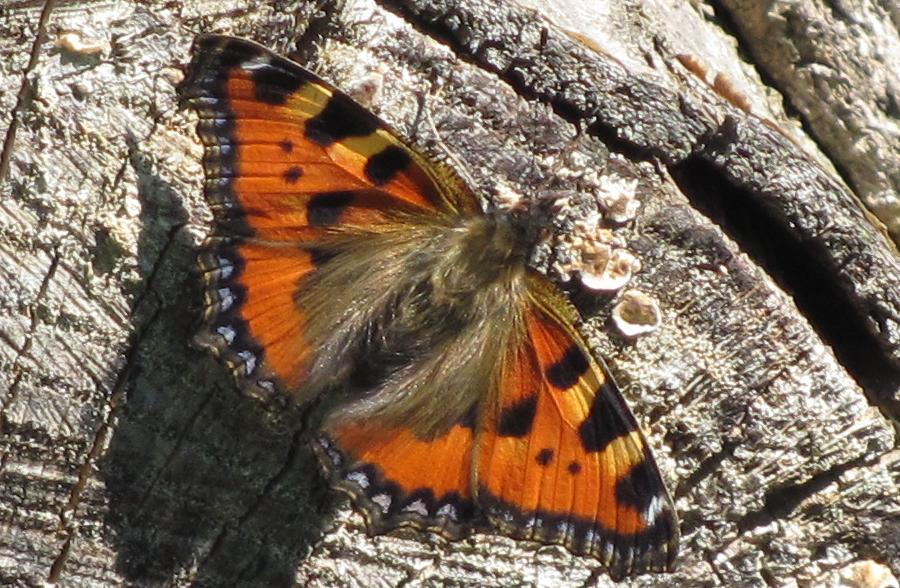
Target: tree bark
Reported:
[(770, 392)]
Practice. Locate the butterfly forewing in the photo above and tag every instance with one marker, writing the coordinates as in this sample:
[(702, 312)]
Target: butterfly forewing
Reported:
[(289, 162)]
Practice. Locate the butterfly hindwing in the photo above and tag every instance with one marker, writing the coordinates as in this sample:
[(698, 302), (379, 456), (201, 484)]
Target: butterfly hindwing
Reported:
[(560, 457), (251, 311), (290, 162), (399, 479)]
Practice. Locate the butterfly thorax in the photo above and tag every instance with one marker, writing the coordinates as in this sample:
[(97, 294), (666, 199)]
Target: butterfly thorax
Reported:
[(483, 251), (434, 310)]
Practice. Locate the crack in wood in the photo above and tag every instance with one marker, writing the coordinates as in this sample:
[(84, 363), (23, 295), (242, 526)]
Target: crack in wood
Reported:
[(102, 556), (297, 440), (520, 72), (575, 105), (157, 263), (707, 467), (780, 503), (67, 518), (726, 20), (67, 513), (192, 421), (799, 270), (24, 90), (13, 391)]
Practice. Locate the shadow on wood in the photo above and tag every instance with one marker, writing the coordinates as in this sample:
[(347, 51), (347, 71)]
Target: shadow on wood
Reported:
[(198, 476)]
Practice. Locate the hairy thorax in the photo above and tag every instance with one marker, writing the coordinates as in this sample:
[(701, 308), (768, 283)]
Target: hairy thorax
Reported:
[(442, 323)]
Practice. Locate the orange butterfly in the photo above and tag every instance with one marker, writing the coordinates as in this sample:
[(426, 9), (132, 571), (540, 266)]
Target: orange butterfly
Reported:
[(344, 261)]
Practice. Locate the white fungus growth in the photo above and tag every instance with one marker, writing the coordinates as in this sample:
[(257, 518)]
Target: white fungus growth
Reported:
[(607, 269), (636, 313), (617, 198)]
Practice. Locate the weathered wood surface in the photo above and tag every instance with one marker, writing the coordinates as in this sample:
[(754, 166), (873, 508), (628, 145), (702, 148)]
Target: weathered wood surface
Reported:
[(769, 392)]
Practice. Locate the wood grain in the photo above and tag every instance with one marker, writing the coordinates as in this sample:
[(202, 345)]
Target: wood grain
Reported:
[(770, 393)]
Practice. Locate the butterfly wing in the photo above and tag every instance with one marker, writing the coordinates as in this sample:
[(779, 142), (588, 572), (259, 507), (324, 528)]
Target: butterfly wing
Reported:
[(560, 458), (297, 175), (399, 479), (290, 163)]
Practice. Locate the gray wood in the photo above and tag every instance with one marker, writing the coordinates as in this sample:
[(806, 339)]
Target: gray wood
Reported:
[(768, 393), (838, 65)]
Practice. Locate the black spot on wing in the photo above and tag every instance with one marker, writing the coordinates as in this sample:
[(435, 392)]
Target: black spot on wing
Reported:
[(275, 83), (572, 365), (293, 174), (287, 145), (214, 58), (516, 420), (325, 209), (640, 485), (607, 420), (574, 467), (382, 167), (544, 456), (468, 419), (341, 118), (231, 53)]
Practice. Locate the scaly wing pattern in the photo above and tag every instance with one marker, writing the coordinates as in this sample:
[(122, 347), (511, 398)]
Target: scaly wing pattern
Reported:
[(399, 479), (289, 161), (560, 458)]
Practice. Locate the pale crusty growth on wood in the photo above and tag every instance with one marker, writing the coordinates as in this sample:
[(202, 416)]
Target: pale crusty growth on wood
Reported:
[(766, 392)]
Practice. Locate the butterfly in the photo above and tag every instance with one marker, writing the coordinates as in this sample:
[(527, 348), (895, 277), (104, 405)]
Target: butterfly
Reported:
[(345, 264)]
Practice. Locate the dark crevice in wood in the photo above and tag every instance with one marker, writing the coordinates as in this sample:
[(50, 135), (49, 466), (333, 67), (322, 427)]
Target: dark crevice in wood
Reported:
[(158, 262), (218, 544), (179, 442), (780, 502), (725, 20), (68, 513), (24, 91), (607, 133), (798, 268), (745, 49), (58, 563), (516, 73), (579, 106), (320, 26)]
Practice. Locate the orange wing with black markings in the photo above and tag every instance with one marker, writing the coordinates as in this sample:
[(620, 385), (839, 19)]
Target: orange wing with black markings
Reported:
[(342, 258), (290, 162), (560, 456), (399, 479)]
